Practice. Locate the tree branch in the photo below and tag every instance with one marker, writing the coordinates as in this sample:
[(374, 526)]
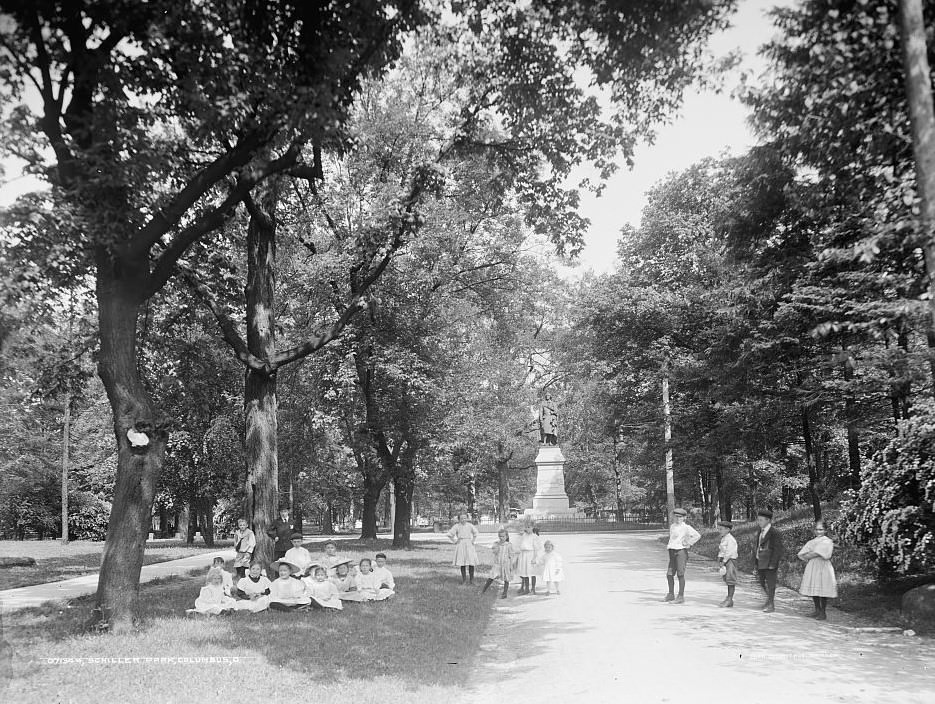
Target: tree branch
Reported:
[(321, 338), (228, 329)]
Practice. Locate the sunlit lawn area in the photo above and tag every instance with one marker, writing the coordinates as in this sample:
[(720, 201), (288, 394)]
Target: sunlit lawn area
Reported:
[(55, 561), (417, 646)]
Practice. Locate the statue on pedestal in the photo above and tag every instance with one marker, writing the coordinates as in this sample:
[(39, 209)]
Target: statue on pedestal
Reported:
[(548, 421)]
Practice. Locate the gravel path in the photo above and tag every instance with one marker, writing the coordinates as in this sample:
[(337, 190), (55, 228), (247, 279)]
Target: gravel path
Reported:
[(610, 638)]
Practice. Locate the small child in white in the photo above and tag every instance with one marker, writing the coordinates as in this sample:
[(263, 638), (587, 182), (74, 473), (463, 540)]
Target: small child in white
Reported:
[(504, 562), (323, 593), (253, 590), (298, 555), (553, 571), (726, 557), (331, 559), (212, 600), (383, 574), (286, 593), (343, 581), (368, 584), (227, 579)]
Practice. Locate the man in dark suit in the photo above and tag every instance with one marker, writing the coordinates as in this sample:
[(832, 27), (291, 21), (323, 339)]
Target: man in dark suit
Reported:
[(282, 532), (769, 551)]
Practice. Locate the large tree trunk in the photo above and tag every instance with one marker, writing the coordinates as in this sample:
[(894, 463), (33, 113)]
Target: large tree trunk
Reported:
[(918, 83), (404, 485), (472, 496), (138, 467), (207, 525), (373, 486), (667, 435), (327, 519), (260, 402), (810, 462)]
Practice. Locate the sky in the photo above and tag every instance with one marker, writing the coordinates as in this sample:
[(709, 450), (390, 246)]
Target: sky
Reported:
[(709, 124)]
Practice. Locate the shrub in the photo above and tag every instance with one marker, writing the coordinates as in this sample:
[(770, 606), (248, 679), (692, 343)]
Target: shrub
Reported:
[(87, 516), (893, 513)]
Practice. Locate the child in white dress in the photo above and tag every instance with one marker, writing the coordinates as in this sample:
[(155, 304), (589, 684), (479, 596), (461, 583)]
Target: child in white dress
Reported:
[(818, 581), (253, 590), (286, 593), (504, 561), (368, 584), (463, 534), (321, 590), (212, 600), (553, 569), (227, 579), (343, 581), (530, 547)]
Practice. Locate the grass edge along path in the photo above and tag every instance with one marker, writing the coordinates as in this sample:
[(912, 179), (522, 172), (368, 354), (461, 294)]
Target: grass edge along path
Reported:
[(78, 559), (421, 643)]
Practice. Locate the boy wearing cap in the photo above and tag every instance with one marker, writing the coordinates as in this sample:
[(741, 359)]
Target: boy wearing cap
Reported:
[(681, 537), (726, 556), (769, 551), (298, 555)]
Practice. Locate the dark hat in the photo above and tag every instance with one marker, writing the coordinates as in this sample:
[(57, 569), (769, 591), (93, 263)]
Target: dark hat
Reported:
[(680, 512), (343, 562), (295, 536), (765, 512), (726, 524)]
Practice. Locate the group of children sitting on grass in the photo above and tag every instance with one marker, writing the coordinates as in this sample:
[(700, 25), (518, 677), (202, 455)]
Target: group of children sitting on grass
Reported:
[(300, 583)]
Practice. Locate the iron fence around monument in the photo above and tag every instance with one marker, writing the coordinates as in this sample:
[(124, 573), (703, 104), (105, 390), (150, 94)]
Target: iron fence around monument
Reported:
[(583, 524)]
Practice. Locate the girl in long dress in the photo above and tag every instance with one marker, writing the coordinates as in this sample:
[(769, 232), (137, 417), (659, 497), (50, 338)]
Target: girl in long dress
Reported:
[(463, 534), (818, 581), (504, 561), (286, 593), (254, 590), (553, 570), (321, 590), (212, 600), (530, 546)]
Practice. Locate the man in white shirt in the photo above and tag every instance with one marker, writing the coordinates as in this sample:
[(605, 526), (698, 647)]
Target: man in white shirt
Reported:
[(681, 537)]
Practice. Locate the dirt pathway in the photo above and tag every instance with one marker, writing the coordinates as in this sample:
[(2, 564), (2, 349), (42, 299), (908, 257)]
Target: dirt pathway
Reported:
[(610, 638)]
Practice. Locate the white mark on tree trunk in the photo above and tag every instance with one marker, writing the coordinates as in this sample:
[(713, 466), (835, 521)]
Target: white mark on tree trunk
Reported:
[(137, 439)]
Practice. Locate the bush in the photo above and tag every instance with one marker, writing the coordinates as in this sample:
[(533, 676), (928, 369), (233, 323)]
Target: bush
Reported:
[(893, 513), (88, 516)]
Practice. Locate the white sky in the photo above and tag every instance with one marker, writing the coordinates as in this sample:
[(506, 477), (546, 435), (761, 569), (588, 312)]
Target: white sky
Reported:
[(708, 125)]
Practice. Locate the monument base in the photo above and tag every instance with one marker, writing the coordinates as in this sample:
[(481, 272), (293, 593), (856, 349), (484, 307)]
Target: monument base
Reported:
[(550, 499)]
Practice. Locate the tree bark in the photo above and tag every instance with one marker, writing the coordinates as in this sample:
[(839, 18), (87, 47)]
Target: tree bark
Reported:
[(66, 439), (260, 401), (503, 492), (918, 85), (810, 462), (670, 475), (138, 467), (373, 486), (403, 487), (207, 525)]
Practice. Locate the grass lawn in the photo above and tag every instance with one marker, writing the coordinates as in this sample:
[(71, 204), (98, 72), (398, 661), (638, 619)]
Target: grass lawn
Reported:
[(55, 561), (419, 645), (860, 590)]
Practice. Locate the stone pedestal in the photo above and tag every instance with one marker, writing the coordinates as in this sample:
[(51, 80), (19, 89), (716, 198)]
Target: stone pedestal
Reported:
[(550, 498)]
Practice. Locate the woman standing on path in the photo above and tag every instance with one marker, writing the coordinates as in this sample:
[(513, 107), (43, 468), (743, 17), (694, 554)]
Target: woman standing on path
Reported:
[(818, 581), (530, 547), (463, 534)]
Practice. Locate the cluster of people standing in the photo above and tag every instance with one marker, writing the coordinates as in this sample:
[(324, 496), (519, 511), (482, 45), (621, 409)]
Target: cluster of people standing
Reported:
[(529, 558), (818, 580)]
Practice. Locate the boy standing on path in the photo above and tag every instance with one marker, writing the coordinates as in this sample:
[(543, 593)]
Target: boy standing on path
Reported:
[(681, 537), (769, 551)]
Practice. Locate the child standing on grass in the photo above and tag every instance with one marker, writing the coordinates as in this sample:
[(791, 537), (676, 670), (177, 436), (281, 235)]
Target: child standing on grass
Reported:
[(286, 593), (212, 600), (504, 561), (726, 557), (463, 534), (681, 537), (818, 581), (254, 590), (244, 545), (553, 571)]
